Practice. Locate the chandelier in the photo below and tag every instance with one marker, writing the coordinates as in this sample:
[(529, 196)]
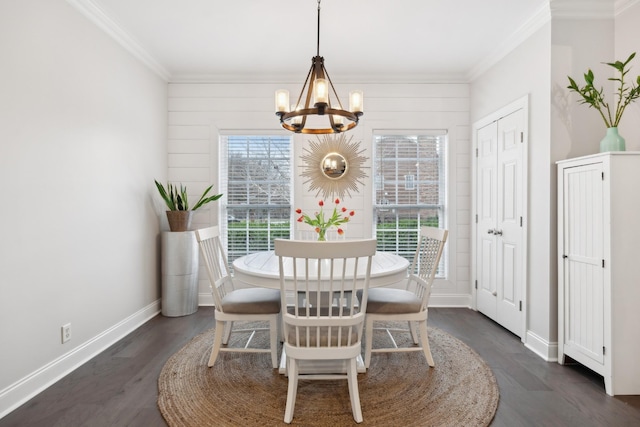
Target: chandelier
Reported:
[(318, 102)]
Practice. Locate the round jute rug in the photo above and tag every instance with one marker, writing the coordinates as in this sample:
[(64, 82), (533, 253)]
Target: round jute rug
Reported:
[(399, 389)]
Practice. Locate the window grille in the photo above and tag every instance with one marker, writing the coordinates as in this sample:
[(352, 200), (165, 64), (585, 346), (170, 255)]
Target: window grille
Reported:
[(256, 181), (410, 190)]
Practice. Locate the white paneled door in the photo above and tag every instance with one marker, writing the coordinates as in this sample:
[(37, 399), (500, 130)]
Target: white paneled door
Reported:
[(500, 192)]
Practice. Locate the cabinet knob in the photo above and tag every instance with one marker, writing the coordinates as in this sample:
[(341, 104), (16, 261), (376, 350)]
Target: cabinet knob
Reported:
[(490, 231), (497, 232)]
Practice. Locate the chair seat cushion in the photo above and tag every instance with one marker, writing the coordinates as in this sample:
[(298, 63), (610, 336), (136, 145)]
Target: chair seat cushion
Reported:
[(252, 301), (392, 301)]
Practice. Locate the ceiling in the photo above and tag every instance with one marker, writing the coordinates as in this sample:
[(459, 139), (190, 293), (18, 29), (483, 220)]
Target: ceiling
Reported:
[(361, 40)]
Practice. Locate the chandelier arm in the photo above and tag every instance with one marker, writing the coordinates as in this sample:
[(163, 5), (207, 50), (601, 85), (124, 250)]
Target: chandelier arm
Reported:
[(332, 88), (333, 125), (316, 131), (303, 86), (354, 117)]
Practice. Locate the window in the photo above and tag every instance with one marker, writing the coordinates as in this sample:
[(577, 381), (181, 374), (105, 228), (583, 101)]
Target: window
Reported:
[(256, 181), (410, 190)]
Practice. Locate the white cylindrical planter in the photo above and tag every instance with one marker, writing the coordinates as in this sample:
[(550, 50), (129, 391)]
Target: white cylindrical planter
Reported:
[(179, 265)]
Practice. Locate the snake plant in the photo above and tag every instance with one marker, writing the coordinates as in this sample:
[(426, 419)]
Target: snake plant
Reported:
[(176, 199)]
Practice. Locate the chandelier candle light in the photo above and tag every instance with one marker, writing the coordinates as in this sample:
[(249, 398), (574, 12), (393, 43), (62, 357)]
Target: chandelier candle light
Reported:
[(337, 218), (319, 87)]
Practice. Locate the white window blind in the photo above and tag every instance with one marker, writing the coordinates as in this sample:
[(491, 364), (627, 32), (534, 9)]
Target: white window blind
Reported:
[(256, 181), (410, 190)]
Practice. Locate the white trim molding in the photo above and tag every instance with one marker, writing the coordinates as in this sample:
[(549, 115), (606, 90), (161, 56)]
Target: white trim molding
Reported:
[(450, 300), (543, 348), (622, 5), (26, 388), (537, 21), (582, 9), (96, 15)]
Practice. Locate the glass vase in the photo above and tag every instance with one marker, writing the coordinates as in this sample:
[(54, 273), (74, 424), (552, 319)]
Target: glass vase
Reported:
[(612, 141), (322, 234)]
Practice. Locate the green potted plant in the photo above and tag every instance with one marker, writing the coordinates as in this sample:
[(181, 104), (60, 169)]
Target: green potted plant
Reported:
[(179, 214), (593, 97)]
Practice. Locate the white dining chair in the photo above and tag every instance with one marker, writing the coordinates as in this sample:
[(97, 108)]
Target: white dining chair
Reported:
[(409, 304), (329, 326), (233, 304)]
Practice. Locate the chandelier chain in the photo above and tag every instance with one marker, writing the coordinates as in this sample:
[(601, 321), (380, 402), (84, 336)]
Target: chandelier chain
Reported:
[(318, 41)]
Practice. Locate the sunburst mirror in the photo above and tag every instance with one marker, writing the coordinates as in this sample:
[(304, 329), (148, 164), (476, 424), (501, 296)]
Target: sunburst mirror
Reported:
[(333, 165)]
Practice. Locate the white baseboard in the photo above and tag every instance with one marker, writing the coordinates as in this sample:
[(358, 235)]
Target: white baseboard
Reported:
[(543, 348), (450, 300), (26, 388), (205, 299)]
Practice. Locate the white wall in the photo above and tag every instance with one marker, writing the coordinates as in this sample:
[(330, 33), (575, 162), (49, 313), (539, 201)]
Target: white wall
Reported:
[(627, 34), (579, 45), (82, 135), (199, 112), (526, 71)]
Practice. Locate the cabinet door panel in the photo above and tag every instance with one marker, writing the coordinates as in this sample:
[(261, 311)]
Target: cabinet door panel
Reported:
[(583, 262)]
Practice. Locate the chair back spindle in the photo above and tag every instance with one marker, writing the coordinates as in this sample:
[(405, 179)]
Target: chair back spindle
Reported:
[(322, 318)]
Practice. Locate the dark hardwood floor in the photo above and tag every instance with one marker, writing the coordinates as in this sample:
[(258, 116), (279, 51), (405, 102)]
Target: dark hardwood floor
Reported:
[(119, 386)]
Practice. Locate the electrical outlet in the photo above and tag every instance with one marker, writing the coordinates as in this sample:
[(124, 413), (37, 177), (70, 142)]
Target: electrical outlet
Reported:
[(66, 332)]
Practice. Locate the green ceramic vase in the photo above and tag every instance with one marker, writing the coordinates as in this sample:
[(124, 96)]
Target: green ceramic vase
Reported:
[(612, 141)]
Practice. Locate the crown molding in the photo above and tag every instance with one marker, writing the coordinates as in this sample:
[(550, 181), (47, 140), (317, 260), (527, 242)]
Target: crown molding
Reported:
[(453, 78), (622, 5), (582, 9), (564, 9), (96, 15), (526, 30)]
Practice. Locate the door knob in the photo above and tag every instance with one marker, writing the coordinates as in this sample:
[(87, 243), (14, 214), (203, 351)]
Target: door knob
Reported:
[(490, 231)]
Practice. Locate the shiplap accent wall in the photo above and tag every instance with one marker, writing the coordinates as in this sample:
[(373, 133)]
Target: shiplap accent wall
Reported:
[(200, 112)]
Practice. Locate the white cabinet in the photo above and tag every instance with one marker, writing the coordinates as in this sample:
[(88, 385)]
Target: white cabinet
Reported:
[(599, 266)]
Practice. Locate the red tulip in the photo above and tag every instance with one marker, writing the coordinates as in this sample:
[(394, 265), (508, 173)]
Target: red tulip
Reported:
[(321, 203), (298, 211), (301, 219), (344, 209), (317, 229), (340, 231), (337, 201), (352, 213)]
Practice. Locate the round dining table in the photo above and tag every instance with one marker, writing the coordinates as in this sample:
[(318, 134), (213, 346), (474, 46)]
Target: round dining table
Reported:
[(262, 269)]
